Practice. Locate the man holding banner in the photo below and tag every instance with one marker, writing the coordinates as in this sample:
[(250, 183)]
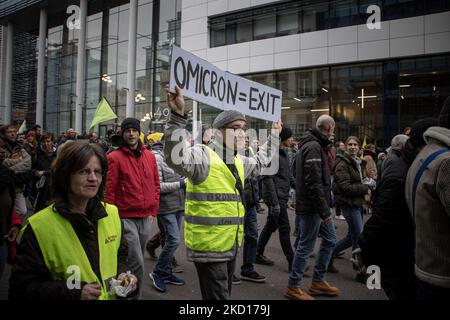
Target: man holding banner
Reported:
[(214, 194)]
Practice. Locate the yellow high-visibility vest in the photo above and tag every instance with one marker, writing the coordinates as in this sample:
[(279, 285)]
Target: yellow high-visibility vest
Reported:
[(214, 213), (63, 252)]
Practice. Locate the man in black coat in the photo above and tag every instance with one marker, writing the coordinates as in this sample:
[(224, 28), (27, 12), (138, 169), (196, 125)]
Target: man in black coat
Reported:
[(313, 207), (275, 192), (387, 239)]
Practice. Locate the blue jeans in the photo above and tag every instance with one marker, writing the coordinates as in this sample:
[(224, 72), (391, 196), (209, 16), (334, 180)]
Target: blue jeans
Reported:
[(310, 227), (172, 223), (353, 216), (250, 240)]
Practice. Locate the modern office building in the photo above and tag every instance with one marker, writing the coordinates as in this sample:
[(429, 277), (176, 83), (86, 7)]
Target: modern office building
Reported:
[(327, 56), (125, 46)]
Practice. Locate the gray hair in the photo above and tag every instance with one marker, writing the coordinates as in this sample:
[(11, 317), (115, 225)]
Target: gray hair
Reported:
[(325, 122)]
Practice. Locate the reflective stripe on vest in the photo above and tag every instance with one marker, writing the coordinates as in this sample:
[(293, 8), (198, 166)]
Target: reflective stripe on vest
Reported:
[(64, 254), (207, 221), (213, 196), (213, 210)]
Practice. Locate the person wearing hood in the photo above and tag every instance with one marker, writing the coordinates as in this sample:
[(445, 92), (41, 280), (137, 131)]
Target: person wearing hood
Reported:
[(393, 152), (170, 215), (133, 187), (214, 209), (387, 239), (428, 197), (313, 205), (350, 193)]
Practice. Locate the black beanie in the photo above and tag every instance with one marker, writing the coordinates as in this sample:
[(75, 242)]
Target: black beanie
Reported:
[(128, 123), (285, 133), (418, 128), (444, 116)]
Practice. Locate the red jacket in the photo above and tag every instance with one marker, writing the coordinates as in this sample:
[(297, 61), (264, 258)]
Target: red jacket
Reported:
[(133, 184)]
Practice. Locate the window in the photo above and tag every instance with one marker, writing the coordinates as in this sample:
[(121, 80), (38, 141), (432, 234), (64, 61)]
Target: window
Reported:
[(315, 16), (288, 19), (244, 31), (343, 14), (265, 25)]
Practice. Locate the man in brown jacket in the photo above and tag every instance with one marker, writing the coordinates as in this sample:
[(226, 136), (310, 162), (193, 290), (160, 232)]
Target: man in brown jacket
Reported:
[(428, 198)]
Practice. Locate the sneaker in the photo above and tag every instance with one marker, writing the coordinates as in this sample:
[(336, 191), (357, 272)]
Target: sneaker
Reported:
[(158, 282), (341, 217), (173, 279), (151, 252), (253, 277), (323, 288), (297, 294), (261, 259), (356, 260), (236, 280)]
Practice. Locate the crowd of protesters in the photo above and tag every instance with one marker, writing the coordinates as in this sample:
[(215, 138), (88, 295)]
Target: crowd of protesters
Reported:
[(395, 202)]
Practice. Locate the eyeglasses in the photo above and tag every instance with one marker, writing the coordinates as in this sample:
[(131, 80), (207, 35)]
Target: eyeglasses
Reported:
[(237, 129), (85, 173)]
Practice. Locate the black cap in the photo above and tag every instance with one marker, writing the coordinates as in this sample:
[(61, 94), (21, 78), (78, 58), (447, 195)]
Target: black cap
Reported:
[(128, 123), (285, 133), (444, 116)]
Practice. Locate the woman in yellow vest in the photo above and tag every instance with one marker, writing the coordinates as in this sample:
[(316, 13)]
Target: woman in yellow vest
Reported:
[(74, 247), (214, 210)]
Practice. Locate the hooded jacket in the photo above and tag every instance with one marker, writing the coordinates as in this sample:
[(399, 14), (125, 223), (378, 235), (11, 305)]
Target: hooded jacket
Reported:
[(347, 187), (313, 179), (173, 193), (432, 210), (133, 182)]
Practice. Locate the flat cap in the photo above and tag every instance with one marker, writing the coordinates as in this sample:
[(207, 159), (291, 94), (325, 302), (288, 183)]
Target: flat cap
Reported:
[(226, 117)]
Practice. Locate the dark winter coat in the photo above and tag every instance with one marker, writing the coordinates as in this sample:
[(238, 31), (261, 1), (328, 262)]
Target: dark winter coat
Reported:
[(43, 159), (31, 279), (388, 236), (275, 188), (347, 187), (313, 179)]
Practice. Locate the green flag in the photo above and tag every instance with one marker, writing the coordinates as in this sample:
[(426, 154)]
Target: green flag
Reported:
[(103, 113)]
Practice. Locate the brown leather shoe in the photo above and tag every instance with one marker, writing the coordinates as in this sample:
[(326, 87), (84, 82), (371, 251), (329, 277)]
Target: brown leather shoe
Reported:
[(297, 294), (323, 288)]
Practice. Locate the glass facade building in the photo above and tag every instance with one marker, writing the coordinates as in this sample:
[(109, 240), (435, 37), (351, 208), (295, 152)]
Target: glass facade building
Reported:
[(319, 53), (158, 26)]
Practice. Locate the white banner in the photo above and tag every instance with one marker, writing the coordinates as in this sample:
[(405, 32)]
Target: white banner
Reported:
[(203, 82)]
